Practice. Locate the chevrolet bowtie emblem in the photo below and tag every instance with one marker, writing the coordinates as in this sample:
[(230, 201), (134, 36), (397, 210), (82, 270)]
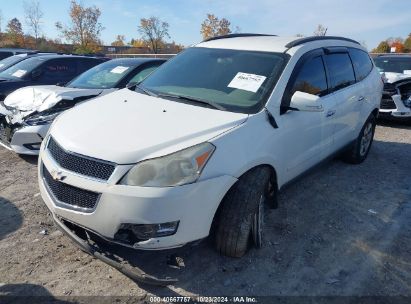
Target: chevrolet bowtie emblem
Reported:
[(57, 175)]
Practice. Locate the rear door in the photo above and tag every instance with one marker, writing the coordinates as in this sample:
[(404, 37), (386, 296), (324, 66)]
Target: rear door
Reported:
[(59, 70), (346, 94)]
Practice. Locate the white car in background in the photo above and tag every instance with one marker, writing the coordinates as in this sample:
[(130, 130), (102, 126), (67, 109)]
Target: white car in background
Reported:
[(207, 140), (27, 113), (396, 73)]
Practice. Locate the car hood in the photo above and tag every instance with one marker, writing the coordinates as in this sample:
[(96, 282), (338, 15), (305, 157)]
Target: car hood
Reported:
[(125, 126), (391, 77), (39, 98)]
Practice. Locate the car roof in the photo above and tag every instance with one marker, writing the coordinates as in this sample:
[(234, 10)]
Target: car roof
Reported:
[(16, 50), (137, 61), (54, 56), (393, 56), (272, 43)]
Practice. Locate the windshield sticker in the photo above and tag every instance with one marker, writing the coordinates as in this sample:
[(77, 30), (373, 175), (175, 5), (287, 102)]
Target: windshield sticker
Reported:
[(407, 72), (247, 82), (19, 73), (119, 69)]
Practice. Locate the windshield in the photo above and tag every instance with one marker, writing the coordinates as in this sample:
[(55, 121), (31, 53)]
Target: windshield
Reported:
[(236, 80), (22, 69), (393, 64), (9, 61), (104, 76)]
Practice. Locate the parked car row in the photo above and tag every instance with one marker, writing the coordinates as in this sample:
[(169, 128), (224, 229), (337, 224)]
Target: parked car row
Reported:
[(36, 88)]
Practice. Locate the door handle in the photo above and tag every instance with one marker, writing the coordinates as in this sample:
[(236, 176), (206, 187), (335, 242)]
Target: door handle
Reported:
[(361, 98), (330, 113)]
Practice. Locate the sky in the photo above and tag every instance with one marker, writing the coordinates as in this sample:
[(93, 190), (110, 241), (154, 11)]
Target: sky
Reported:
[(364, 20)]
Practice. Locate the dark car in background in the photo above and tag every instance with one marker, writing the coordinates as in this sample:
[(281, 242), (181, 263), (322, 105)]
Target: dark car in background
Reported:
[(396, 73), (44, 70), (12, 60), (7, 52)]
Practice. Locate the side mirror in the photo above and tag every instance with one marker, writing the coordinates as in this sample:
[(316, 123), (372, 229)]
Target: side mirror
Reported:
[(36, 74), (301, 101)]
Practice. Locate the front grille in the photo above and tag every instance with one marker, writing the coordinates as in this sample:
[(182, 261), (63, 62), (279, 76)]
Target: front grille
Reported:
[(69, 195), (387, 103), (80, 164)]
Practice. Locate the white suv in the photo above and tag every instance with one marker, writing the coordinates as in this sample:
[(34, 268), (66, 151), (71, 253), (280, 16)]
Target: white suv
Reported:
[(207, 139)]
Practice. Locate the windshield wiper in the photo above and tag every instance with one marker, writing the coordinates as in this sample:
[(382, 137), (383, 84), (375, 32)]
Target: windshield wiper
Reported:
[(148, 92), (194, 99)]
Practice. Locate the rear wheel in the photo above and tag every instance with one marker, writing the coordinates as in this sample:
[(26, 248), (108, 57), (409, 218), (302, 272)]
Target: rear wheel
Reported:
[(241, 218), (358, 151)]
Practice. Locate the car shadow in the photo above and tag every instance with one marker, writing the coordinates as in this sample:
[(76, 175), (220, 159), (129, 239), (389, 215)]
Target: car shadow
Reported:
[(11, 218), (27, 293), (394, 123), (31, 159)]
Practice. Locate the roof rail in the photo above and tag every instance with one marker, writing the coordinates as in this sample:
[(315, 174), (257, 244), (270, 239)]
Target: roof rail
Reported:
[(316, 38), (236, 35)]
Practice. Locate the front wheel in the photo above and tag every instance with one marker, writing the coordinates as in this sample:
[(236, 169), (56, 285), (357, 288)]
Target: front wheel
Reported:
[(358, 151), (241, 218)]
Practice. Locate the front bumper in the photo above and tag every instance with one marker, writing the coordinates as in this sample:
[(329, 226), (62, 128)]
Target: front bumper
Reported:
[(27, 139), (132, 272), (193, 205), (400, 110)]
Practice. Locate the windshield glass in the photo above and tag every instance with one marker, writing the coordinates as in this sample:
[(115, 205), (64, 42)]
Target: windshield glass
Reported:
[(104, 76), (237, 80), (22, 69), (9, 61), (396, 65)]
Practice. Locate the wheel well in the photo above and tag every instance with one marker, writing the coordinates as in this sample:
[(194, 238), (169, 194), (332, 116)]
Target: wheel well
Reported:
[(375, 112), (274, 204)]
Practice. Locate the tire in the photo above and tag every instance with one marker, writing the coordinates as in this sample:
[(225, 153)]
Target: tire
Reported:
[(238, 213), (358, 151)]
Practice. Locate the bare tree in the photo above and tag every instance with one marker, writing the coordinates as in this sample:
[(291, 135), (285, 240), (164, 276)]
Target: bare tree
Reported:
[(153, 31), (85, 28), (120, 41), (15, 32), (320, 31), (33, 15)]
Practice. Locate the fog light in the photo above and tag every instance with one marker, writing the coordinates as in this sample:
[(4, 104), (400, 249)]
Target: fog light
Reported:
[(132, 233)]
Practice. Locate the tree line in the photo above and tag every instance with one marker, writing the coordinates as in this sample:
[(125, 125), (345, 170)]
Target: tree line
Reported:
[(396, 45)]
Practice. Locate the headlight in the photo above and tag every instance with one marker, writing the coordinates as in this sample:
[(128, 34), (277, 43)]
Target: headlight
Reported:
[(41, 119), (180, 168)]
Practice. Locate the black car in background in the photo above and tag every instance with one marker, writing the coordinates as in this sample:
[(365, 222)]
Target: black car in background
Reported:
[(12, 60), (44, 70), (7, 52)]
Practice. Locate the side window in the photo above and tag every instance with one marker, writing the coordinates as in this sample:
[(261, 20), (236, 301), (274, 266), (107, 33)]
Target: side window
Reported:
[(361, 62), (143, 73), (311, 78), (340, 70), (57, 70)]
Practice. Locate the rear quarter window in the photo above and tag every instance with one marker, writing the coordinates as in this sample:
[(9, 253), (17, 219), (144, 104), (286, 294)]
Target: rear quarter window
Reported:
[(362, 63), (340, 70)]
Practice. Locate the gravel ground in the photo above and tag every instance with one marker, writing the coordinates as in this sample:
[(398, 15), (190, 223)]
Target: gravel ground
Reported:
[(347, 231)]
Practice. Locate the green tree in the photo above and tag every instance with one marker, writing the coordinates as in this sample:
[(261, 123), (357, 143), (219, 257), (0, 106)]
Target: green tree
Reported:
[(383, 47), (14, 31), (407, 44)]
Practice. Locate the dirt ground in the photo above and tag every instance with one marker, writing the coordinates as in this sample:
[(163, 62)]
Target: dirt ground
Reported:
[(347, 232)]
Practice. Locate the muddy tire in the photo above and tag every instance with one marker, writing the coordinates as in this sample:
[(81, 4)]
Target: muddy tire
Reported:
[(358, 151), (239, 211)]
